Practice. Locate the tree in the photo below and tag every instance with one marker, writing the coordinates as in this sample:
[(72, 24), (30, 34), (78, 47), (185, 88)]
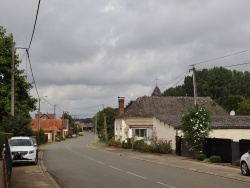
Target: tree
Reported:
[(244, 108), (110, 114), (196, 127), (24, 103), (233, 102)]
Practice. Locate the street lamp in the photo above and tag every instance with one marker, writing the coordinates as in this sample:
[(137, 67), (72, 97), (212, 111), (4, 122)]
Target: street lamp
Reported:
[(39, 123)]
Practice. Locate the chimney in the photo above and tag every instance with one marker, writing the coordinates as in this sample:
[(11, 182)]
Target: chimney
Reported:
[(120, 105)]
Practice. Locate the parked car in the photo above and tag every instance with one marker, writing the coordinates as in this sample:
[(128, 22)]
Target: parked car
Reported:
[(80, 134), (245, 163), (23, 150)]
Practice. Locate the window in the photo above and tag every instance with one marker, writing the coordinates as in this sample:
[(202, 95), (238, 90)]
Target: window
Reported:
[(140, 132)]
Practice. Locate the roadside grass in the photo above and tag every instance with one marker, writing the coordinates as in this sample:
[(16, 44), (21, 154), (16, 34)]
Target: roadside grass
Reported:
[(100, 144)]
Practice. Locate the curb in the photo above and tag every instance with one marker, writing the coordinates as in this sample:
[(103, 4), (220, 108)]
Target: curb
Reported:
[(43, 169)]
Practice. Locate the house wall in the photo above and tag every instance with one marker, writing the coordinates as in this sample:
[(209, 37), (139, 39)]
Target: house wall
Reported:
[(234, 134), (164, 131)]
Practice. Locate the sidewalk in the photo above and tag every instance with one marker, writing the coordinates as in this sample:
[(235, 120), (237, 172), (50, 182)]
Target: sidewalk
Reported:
[(32, 176), (222, 170)]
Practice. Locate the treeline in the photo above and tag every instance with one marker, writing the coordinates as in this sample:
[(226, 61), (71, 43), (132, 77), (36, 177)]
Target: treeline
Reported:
[(230, 89)]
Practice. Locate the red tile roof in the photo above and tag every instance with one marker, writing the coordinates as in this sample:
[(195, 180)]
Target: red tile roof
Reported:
[(46, 124)]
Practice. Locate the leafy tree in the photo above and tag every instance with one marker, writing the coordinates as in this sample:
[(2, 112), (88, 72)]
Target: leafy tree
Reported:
[(24, 103), (66, 115), (19, 125), (196, 127), (110, 114), (233, 102), (218, 83), (244, 107)]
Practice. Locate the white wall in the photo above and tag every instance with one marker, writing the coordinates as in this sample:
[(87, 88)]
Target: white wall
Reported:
[(234, 134), (164, 131)]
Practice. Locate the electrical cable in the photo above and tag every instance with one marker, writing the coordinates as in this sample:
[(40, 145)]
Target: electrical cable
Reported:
[(34, 24), (220, 57), (32, 73)]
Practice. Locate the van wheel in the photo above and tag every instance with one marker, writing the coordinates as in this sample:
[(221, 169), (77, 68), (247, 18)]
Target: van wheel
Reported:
[(244, 169)]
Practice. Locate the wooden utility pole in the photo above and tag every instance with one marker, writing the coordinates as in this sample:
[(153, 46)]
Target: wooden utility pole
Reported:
[(195, 86), (12, 80), (105, 127), (96, 127)]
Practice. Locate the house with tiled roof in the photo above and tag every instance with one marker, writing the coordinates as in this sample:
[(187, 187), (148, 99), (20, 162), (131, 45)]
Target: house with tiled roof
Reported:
[(160, 117), (50, 125)]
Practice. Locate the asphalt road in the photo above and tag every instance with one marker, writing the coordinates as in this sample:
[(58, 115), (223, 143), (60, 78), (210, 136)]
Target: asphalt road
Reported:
[(74, 164)]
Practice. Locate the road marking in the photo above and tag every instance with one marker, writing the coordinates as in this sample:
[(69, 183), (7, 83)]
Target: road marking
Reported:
[(91, 159), (136, 175), (114, 168), (100, 162), (165, 185)]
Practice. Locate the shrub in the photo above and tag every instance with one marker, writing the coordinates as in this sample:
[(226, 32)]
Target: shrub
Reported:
[(200, 157), (138, 144), (207, 160), (215, 159), (126, 144), (111, 142), (162, 146), (118, 144), (237, 163), (147, 148)]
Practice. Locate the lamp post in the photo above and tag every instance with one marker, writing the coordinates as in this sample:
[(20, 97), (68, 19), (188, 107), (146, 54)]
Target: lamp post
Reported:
[(38, 120)]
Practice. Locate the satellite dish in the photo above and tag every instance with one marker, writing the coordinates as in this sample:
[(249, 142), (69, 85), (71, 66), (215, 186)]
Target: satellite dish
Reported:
[(232, 113)]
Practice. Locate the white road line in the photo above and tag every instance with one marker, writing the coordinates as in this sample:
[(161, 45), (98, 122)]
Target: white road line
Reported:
[(114, 168), (91, 159), (165, 185), (136, 175), (100, 162)]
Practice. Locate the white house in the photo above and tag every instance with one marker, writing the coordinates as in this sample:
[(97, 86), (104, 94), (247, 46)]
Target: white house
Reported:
[(159, 117)]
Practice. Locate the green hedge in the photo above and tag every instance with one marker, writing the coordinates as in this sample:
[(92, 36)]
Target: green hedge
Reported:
[(215, 159)]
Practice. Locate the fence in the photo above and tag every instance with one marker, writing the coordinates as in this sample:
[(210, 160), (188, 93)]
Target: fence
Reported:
[(7, 164), (227, 149)]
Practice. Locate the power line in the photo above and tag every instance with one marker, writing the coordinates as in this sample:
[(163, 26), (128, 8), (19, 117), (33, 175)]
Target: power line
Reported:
[(34, 25), (32, 73), (220, 57), (237, 65)]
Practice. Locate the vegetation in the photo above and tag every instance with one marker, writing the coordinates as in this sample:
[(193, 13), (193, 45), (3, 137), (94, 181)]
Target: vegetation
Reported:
[(200, 157), (100, 144), (215, 159), (110, 114), (231, 89), (196, 127), (24, 103), (127, 144)]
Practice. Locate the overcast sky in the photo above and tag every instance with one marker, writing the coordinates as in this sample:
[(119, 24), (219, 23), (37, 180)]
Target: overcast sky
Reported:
[(86, 53)]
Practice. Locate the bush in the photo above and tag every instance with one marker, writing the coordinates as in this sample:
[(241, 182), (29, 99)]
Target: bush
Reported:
[(207, 160), (111, 142), (126, 144), (162, 146), (118, 144), (215, 159), (237, 163), (200, 157), (138, 144)]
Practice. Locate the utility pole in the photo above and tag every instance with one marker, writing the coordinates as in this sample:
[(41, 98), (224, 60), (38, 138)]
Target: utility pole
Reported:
[(96, 127), (38, 120), (105, 125), (195, 85), (54, 135), (12, 80)]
